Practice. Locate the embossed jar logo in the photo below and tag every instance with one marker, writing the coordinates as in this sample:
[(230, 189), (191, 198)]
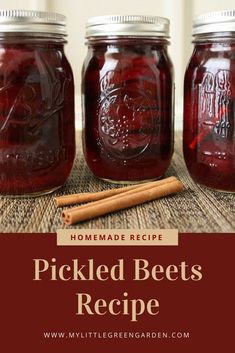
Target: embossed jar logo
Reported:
[(127, 115), (214, 102)]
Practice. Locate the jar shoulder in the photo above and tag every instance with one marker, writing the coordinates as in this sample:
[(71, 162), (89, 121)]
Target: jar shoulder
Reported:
[(212, 57), (116, 58)]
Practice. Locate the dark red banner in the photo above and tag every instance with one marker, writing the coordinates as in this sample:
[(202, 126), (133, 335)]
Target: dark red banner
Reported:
[(194, 314)]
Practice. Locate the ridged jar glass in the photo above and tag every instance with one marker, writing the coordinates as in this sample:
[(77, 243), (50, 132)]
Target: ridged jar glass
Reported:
[(37, 135), (209, 102), (128, 98)]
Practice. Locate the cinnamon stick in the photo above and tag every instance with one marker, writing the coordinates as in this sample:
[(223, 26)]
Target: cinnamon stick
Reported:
[(119, 202), (88, 196), (145, 186)]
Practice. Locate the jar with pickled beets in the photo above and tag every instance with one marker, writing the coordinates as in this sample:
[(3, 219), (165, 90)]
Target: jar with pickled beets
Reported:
[(127, 98), (37, 135), (209, 102)]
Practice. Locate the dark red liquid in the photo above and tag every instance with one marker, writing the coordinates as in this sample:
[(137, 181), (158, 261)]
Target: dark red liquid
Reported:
[(128, 109), (37, 141), (209, 115)]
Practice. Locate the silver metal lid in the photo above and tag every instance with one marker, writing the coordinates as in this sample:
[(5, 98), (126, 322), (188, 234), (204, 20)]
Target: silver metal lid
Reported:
[(212, 22), (32, 21), (127, 25)]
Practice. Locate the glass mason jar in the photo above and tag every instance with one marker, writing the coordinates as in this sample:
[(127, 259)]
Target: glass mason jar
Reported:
[(209, 102), (37, 135), (127, 98)]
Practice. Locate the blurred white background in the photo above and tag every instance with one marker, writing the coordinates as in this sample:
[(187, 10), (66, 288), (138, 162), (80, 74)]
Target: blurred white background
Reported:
[(180, 13)]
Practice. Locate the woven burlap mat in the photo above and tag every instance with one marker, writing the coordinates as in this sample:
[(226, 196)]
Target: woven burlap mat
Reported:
[(196, 209)]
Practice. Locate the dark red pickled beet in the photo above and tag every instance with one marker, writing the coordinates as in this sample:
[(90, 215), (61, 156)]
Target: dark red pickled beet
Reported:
[(209, 115), (128, 109), (37, 141)]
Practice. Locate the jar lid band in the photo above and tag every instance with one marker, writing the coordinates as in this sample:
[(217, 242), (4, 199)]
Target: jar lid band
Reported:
[(127, 25), (214, 22), (32, 21)]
